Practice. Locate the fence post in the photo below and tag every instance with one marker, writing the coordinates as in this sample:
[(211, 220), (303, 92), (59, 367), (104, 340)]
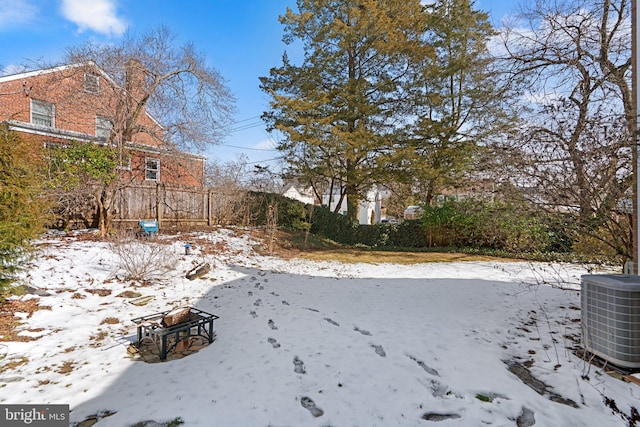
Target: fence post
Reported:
[(158, 205), (209, 209)]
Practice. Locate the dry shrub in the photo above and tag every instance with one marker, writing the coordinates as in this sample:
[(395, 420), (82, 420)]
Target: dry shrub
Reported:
[(143, 260)]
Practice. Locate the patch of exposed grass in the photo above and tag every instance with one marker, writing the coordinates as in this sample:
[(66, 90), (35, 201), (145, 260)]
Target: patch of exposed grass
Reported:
[(100, 336), (374, 257), (129, 294), (9, 322), (66, 368), (100, 292), (12, 363), (296, 244)]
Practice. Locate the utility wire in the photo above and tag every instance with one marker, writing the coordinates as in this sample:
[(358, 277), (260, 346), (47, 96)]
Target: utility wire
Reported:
[(247, 148), (266, 160)]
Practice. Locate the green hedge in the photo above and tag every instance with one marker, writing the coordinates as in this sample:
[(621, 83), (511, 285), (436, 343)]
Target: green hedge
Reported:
[(332, 225), (292, 214), (469, 223), (495, 225), (408, 234)]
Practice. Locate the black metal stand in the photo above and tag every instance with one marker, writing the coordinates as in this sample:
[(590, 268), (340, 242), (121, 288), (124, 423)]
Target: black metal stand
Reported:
[(200, 324)]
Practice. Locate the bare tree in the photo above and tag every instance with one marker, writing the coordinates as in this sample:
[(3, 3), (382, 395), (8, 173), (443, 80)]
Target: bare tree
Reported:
[(573, 153), (149, 91), (228, 184)]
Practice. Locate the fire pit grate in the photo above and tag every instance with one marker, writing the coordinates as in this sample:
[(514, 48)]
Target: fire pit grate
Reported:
[(168, 328)]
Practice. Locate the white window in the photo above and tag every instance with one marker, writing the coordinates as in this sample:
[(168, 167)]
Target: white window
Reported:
[(103, 127), (42, 113), (125, 164), (91, 83), (152, 169)]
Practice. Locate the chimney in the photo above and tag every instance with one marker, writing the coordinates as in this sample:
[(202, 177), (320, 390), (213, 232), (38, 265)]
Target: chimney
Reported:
[(135, 79)]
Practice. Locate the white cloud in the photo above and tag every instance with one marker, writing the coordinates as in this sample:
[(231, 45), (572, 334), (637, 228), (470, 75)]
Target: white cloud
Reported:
[(95, 15), (16, 12)]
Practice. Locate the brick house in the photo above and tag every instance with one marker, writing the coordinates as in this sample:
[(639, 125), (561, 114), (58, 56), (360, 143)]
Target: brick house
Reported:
[(79, 102)]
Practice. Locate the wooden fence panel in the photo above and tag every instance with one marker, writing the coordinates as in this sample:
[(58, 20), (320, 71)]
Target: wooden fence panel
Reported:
[(172, 204), (133, 203)]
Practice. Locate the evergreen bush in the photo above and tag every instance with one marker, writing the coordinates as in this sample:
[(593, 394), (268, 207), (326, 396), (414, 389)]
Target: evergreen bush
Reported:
[(22, 207)]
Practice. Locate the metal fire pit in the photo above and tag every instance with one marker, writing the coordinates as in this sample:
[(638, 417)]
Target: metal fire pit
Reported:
[(198, 324)]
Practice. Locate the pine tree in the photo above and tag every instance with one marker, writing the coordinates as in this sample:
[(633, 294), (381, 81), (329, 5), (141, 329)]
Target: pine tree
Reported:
[(463, 99), (340, 107)]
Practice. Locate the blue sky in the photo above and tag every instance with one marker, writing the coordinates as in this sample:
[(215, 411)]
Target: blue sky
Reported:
[(241, 38)]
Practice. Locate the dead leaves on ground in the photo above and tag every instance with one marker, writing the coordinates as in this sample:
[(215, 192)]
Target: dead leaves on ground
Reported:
[(9, 322)]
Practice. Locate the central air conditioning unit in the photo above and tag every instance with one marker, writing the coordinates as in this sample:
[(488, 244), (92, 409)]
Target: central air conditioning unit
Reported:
[(611, 318)]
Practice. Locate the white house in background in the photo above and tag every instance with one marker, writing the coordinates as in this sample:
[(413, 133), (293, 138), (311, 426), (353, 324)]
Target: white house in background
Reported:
[(304, 195), (413, 212), (370, 209)]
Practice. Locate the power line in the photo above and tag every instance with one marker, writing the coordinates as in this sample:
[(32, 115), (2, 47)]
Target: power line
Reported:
[(246, 120), (266, 160), (245, 127), (248, 148)]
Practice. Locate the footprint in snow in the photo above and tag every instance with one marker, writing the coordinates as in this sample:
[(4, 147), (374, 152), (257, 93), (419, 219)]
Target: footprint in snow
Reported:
[(253, 314), (379, 350), (250, 293), (298, 366), (273, 342), (285, 302), (424, 366), (272, 324), (438, 389), (333, 322), (258, 302), (362, 331), (310, 405)]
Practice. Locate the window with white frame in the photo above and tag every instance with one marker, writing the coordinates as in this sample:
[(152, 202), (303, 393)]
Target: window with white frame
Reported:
[(91, 83), (152, 169), (103, 127), (125, 163), (42, 113)]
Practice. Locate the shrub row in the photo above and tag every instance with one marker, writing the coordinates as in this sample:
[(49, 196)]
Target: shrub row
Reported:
[(291, 214), (408, 234), (472, 224)]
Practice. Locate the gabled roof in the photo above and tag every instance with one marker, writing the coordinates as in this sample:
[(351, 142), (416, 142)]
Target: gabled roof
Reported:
[(44, 71)]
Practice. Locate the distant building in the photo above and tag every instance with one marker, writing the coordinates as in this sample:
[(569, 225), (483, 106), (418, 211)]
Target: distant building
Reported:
[(304, 195), (371, 209), (413, 212)]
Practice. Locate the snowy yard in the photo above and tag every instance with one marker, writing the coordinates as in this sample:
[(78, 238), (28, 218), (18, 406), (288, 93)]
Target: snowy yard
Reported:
[(303, 343)]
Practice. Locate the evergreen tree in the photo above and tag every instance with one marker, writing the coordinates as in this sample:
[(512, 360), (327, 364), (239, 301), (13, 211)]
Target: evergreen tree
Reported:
[(462, 101), (22, 209), (341, 106)]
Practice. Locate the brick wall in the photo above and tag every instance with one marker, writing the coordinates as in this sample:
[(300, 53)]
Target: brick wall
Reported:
[(76, 111)]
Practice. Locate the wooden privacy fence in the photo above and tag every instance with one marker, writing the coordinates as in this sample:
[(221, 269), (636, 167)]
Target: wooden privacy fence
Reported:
[(169, 204)]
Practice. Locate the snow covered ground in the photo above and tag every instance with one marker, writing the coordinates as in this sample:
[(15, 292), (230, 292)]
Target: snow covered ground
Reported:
[(303, 343)]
